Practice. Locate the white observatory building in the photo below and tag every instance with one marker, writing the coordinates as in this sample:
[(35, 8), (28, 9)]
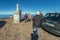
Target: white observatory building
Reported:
[(17, 15)]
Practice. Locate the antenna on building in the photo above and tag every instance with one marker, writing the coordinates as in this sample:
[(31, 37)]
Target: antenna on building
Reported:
[(17, 7)]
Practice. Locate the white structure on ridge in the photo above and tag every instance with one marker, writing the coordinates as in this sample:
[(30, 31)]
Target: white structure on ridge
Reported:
[(17, 15), (17, 7)]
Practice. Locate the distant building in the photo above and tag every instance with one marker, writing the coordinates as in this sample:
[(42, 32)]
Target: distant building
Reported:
[(17, 15)]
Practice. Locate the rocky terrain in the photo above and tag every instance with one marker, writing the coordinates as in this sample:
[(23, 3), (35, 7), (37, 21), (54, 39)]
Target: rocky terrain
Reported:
[(21, 31)]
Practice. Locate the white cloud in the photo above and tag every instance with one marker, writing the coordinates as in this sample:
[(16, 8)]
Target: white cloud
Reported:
[(6, 12)]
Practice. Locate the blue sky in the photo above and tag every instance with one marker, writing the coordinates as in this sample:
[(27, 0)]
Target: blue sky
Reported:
[(31, 6)]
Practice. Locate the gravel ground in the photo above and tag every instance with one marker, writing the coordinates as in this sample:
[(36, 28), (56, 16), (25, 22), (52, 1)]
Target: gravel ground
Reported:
[(22, 31)]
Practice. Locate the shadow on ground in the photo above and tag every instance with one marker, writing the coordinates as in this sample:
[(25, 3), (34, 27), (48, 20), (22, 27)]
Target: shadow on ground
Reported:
[(2, 23), (22, 20)]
